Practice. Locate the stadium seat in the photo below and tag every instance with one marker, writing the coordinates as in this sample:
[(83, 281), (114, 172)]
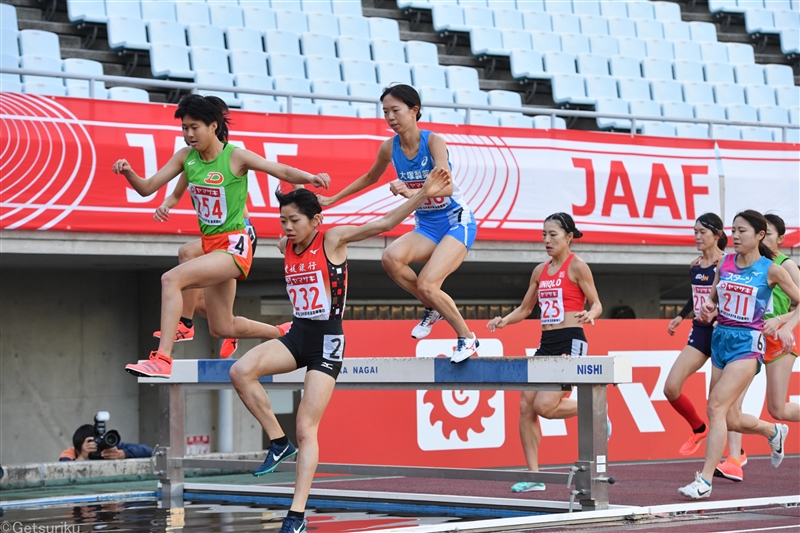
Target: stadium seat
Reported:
[(547, 122), (714, 53), (667, 91), (9, 42), (649, 29), (676, 30), (641, 10), (240, 38), (557, 6), (47, 89), (192, 12), (773, 113), (366, 90), (329, 87), (226, 15), (170, 61), (604, 45), (166, 32), (724, 6), (591, 25), (698, 92), (317, 44), (421, 52), (569, 89), (621, 27), (280, 41), (130, 9), (632, 47), (323, 68), (487, 41), (161, 10), (750, 133), (760, 95), (537, 21), (574, 43), (545, 42), (667, 11), (126, 33), (515, 120), (633, 89), (286, 65), (757, 21), (527, 64), (790, 41), (504, 98), (10, 82), (248, 62), (461, 77), (289, 5), (740, 54), (586, 7), (725, 132), (444, 116), (81, 87), (292, 85), (428, 75), (433, 95), (775, 75), (338, 109), (749, 74), (688, 71), (346, 8), (787, 96), (742, 112), (348, 47), (647, 108), (478, 17), (710, 111), (703, 31), (592, 64), (291, 21), (216, 77), (691, 131), (659, 49), (470, 96), (393, 72), (657, 69), (794, 115), (316, 6), (658, 129), (625, 67), (686, 50), (508, 19), (516, 39), (559, 63), (205, 35), (719, 73), (566, 23), (728, 93), (358, 70), (48, 64), (381, 28), (601, 87), (323, 23), (614, 9), (388, 50), (90, 11), (258, 18), (354, 26), (253, 81), (39, 43), (8, 18), (262, 104), (613, 106), (128, 94)]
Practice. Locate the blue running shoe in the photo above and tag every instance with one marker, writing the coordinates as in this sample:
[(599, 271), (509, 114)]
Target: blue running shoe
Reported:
[(275, 456), (527, 486), (293, 524)]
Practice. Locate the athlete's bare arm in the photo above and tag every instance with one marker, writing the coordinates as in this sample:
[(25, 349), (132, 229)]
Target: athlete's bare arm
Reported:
[(524, 309), (146, 187), (585, 281), (282, 245), (772, 325), (162, 213), (243, 160), (370, 178)]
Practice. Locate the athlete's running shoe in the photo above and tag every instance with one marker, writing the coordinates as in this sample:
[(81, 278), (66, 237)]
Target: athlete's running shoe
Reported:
[(694, 442), (158, 366), (699, 488), (423, 329), (777, 442), (293, 524), (743, 458), (228, 347), (284, 328), (182, 334), (729, 469), (608, 429), (527, 486), (275, 456), (465, 349)]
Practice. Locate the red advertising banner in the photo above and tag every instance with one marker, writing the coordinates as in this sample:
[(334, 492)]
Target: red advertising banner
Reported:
[(57, 155), (478, 429)]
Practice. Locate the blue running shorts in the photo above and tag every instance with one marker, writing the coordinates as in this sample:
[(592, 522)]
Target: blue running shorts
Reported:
[(729, 344), (459, 224)]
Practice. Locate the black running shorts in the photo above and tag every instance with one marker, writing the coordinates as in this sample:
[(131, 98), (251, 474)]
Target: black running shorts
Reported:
[(564, 341), (316, 344), (700, 337)]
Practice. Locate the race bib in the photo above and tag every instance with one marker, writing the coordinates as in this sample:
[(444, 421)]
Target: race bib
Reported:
[(333, 348), (700, 294), (307, 293), (210, 204), (552, 303), (431, 204), (239, 244), (737, 301), (758, 345)]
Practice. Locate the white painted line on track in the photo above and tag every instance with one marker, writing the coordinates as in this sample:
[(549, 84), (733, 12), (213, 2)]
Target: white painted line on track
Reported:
[(795, 526)]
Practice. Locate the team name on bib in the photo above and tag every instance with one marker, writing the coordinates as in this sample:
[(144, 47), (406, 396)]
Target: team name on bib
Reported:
[(737, 301), (700, 294), (210, 204), (308, 295), (552, 304)]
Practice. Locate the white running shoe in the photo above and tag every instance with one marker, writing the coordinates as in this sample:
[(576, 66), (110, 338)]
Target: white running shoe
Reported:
[(423, 329), (697, 489), (465, 348), (777, 442)]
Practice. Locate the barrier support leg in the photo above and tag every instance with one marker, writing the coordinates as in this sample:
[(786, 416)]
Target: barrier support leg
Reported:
[(171, 403), (592, 448)]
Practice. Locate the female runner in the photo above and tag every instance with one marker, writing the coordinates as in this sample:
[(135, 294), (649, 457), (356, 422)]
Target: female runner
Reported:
[(742, 289), (445, 227), (216, 173), (561, 286), (316, 280)]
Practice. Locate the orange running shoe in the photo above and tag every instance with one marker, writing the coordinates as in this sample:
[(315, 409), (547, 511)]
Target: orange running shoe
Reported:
[(183, 333), (158, 366), (743, 458), (284, 328), (730, 469), (694, 442), (228, 347)]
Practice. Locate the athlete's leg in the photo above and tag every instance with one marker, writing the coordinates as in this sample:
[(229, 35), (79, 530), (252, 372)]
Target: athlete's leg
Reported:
[(192, 297), (734, 437), (318, 389), (410, 248), (221, 322), (779, 372), (267, 359), (530, 433), (688, 362), (555, 405), (446, 258)]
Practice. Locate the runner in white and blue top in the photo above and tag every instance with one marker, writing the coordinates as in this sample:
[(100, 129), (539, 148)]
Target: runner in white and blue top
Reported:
[(445, 226)]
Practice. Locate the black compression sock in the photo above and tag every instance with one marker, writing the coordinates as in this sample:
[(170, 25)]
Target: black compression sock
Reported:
[(187, 322), (282, 441), (295, 514), (700, 429)]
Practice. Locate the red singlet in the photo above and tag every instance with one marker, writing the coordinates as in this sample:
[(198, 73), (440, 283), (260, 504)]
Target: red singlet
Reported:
[(558, 295)]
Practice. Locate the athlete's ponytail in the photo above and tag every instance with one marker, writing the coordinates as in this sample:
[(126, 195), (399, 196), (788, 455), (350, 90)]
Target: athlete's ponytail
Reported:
[(207, 109), (305, 201), (567, 224), (712, 222), (756, 221), (779, 225), (407, 94)]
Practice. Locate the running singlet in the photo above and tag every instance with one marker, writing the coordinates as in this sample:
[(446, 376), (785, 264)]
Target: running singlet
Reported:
[(317, 288), (558, 295), (413, 173), (780, 302), (702, 281), (218, 196), (743, 293)]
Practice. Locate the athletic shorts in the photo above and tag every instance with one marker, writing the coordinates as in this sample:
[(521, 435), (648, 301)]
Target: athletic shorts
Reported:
[(731, 343), (774, 350), (251, 231), (700, 337), (564, 341), (316, 344), (235, 243), (459, 224)]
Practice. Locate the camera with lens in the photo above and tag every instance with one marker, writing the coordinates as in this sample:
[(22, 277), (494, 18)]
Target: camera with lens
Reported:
[(104, 439)]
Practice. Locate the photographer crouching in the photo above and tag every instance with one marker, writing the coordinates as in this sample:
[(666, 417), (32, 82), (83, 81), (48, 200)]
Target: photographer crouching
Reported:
[(92, 442)]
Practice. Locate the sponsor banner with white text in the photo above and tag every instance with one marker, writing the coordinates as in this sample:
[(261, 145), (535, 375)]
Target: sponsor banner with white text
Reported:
[(58, 153)]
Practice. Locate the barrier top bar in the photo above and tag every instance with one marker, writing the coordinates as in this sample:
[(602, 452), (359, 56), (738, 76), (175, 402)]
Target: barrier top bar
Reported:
[(426, 373)]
